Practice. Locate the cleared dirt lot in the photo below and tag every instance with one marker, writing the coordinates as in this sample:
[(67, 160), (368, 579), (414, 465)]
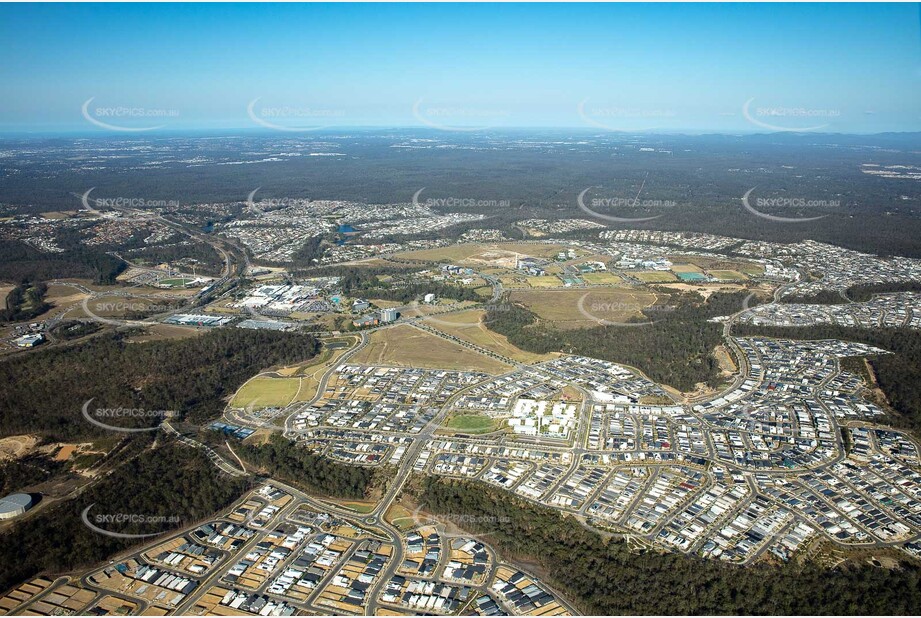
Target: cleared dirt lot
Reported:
[(562, 307), (468, 325), (406, 346), (486, 253), (14, 447)]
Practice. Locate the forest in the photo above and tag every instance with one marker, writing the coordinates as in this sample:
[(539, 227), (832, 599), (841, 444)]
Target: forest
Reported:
[(207, 260), (605, 578), (862, 293), (24, 302), (19, 261), (29, 470), (170, 481), (43, 392), (539, 172), (287, 461), (856, 293), (676, 349)]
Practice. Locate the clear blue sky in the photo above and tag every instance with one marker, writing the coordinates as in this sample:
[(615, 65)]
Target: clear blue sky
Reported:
[(847, 68)]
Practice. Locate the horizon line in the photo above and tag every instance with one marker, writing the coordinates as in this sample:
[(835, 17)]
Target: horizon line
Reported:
[(88, 132)]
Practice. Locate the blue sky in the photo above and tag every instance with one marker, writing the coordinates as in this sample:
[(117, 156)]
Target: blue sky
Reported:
[(682, 67)]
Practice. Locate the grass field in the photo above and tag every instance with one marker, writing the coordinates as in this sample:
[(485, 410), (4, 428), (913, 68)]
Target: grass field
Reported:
[(537, 249), (358, 507), (65, 298), (603, 278), (514, 282), (455, 253), (385, 304), (416, 309), (543, 282), (401, 517), (467, 325), (406, 346), (686, 268), (264, 392), (310, 372), (716, 263), (176, 281), (728, 275), (484, 252), (561, 307), (755, 270), (654, 276), (471, 423)]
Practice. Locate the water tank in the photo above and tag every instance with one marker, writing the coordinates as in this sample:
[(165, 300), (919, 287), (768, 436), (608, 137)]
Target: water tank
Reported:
[(14, 505)]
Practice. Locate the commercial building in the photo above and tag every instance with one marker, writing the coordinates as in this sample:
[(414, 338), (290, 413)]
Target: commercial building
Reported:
[(29, 341)]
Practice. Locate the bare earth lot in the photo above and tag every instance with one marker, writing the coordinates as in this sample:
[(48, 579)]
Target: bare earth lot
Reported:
[(406, 346)]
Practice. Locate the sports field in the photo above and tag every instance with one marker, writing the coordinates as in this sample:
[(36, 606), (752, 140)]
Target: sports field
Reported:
[(406, 346), (472, 423), (176, 282)]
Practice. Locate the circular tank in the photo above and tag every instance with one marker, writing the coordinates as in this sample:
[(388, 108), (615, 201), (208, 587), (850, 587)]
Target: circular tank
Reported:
[(14, 505)]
